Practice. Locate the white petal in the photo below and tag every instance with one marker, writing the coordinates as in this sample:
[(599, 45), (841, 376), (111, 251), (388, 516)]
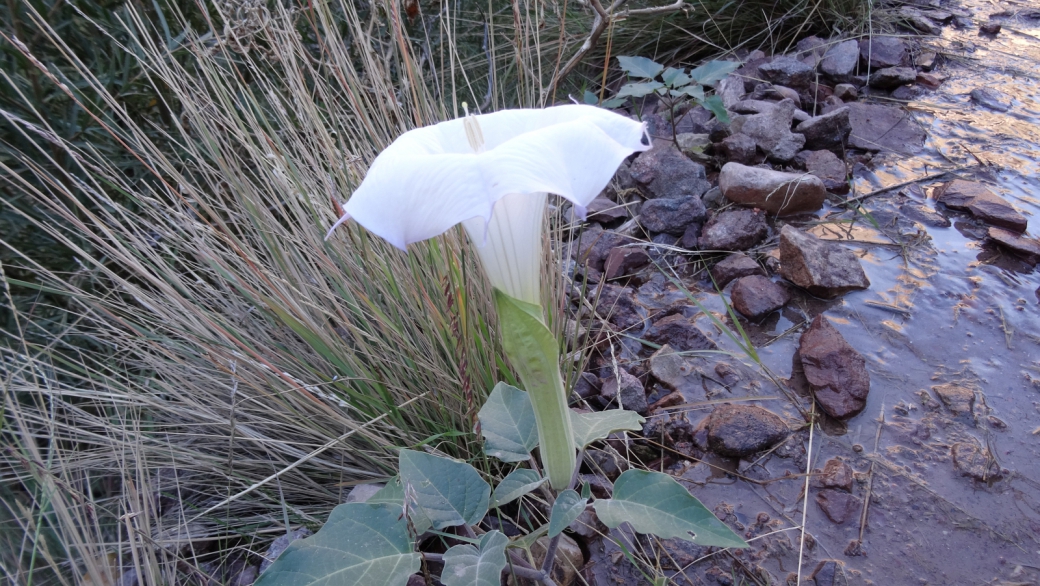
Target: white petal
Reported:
[(429, 179), (510, 245)]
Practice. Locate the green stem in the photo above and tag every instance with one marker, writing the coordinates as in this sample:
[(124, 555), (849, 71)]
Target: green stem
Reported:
[(535, 354)]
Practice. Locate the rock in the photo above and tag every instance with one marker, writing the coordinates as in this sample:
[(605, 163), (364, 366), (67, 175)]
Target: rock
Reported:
[(925, 60), (906, 93), (971, 459), (827, 572), (748, 72), (775, 192), (673, 214), (670, 400), (738, 148), (877, 128), (605, 211), (588, 525), (839, 62), (836, 372), (619, 304), (567, 563), (587, 385), (692, 144), (279, 544), (732, 267), (831, 104), (248, 575), (829, 131), (825, 269), (819, 92), (917, 20), (990, 28), (786, 93), (958, 399), (891, 77), (771, 131), (846, 92), (667, 173), (830, 169), (1028, 248), (757, 296), (731, 90), (836, 474), (924, 215), (930, 80), (671, 369), (736, 431), (689, 238), (363, 492), (750, 106), (991, 98), (594, 245), (416, 580), (811, 46), (982, 203), (839, 506), (786, 71), (880, 52), (623, 262), (627, 390), (713, 198), (680, 333), (733, 230)]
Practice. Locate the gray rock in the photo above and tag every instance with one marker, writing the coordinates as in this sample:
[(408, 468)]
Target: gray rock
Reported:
[(836, 372), (811, 46), (736, 431), (846, 92), (757, 296), (627, 390), (619, 306), (739, 148), (731, 90), (924, 215), (787, 71), (587, 385), (672, 215), (881, 52), (733, 230), (839, 506), (831, 104), (991, 98), (985, 205), (713, 198), (884, 128), (732, 267), (690, 236), (918, 21), (829, 131), (1027, 248), (679, 332), (604, 210), (827, 573), (666, 172), (958, 399), (830, 169), (624, 261), (839, 62), (825, 269), (594, 245), (771, 131), (278, 546), (775, 192), (750, 106), (692, 144), (891, 77)]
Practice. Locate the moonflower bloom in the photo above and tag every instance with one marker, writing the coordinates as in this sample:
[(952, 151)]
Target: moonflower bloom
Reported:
[(492, 173)]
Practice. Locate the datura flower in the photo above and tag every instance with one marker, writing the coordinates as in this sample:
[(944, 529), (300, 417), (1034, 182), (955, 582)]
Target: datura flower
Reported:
[(492, 173)]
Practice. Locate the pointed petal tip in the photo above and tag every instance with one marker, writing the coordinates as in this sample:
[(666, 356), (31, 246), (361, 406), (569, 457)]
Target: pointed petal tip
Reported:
[(342, 220)]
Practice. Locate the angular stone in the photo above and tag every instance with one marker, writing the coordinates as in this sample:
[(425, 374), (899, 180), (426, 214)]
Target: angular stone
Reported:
[(917, 20), (689, 238), (738, 148), (891, 77), (619, 304), (991, 98), (825, 269), (1028, 248), (627, 390), (982, 203), (587, 385), (731, 90), (748, 72), (604, 210), (846, 92), (757, 296), (733, 230), (829, 131), (732, 267), (831, 104), (957, 399), (971, 459), (877, 128), (673, 214), (827, 573), (836, 474), (771, 131), (736, 431), (830, 169), (811, 46), (680, 333), (839, 62), (666, 172), (787, 71), (750, 106), (839, 506), (930, 80), (924, 215), (925, 60), (836, 372), (906, 93), (775, 192), (622, 262), (881, 52)]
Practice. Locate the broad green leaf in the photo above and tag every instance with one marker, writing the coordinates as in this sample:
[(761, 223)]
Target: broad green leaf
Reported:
[(694, 91), (638, 90), (613, 103), (714, 104), (565, 510), (655, 503), (590, 98), (393, 494), (508, 425), (361, 544), (675, 77), (534, 352), (640, 67), (449, 493), (713, 71), (466, 565), (526, 541), (515, 485), (589, 427)]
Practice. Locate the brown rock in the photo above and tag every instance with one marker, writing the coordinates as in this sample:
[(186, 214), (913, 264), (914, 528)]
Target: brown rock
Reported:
[(680, 333), (891, 77), (957, 399), (594, 245), (756, 296), (627, 390), (736, 431), (830, 169), (1028, 248), (825, 269), (971, 459), (826, 131), (733, 230), (930, 80), (604, 210), (836, 474), (739, 148), (827, 573), (884, 128), (836, 372), (846, 92), (732, 267), (982, 203), (672, 215), (622, 262), (839, 506), (881, 52), (775, 192), (618, 304)]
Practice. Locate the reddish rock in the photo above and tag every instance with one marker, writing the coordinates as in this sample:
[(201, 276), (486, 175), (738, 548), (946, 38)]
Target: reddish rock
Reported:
[(776, 192), (846, 92), (836, 474), (930, 80), (736, 431), (830, 169), (756, 296), (884, 128), (593, 245), (836, 372), (679, 332), (732, 267), (825, 269), (958, 399), (622, 262), (604, 210), (1028, 248), (826, 131), (828, 573), (839, 506), (880, 52), (976, 198), (672, 215), (738, 229), (619, 306), (892, 77)]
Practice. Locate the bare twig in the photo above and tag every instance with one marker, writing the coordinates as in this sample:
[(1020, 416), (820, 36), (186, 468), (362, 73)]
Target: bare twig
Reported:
[(805, 499)]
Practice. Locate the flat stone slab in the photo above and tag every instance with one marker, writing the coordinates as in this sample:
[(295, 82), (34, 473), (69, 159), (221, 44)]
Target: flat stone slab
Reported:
[(884, 128), (974, 197)]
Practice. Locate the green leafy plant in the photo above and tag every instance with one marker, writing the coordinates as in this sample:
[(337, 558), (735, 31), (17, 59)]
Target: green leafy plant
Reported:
[(377, 543)]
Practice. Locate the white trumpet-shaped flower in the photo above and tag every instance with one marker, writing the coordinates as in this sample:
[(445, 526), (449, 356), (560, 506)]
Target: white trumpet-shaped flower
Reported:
[(492, 173)]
